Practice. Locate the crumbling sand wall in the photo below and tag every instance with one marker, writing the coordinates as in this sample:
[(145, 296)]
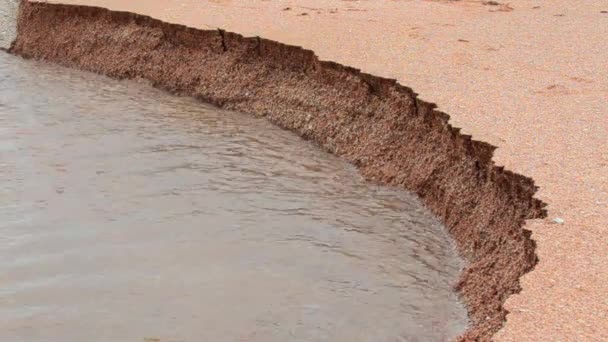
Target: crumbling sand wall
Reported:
[(380, 126)]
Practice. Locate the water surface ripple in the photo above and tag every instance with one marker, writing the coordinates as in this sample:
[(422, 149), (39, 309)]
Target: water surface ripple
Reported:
[(127, 214)]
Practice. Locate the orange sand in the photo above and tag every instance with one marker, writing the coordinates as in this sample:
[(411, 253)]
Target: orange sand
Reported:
[(530, 77)]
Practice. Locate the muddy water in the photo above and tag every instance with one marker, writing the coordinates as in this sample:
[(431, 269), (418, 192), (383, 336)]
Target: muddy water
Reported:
[(127, 214), (8, 22)]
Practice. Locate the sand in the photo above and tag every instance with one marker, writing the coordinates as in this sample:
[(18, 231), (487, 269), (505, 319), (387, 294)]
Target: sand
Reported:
[(529, 77)]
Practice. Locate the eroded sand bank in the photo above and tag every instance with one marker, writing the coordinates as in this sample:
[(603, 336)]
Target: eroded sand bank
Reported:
[(517, 76)]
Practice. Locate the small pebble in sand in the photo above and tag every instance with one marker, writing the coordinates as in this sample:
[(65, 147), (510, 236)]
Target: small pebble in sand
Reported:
[(558, 220)]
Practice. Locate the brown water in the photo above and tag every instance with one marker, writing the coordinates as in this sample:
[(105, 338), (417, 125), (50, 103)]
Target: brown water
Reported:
[(127, 214)]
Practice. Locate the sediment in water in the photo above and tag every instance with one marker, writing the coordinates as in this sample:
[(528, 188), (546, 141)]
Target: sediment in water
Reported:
[(380, 126)]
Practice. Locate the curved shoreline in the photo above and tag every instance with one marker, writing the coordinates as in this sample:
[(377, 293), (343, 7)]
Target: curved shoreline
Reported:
[(375, 123)]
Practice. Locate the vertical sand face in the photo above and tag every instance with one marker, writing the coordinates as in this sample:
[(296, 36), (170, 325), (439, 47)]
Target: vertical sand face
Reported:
[(8, 22), (378, 125)]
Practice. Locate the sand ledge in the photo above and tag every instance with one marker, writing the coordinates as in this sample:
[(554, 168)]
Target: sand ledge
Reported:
[(377, 124)]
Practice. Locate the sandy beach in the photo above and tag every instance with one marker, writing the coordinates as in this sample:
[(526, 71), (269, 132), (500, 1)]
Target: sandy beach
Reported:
[(530, 77)]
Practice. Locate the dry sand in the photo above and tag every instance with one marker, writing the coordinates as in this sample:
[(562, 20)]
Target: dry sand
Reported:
[(530, 77)]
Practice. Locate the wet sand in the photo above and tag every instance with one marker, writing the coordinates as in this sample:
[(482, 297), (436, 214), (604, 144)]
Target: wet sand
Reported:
[(529, 80)]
